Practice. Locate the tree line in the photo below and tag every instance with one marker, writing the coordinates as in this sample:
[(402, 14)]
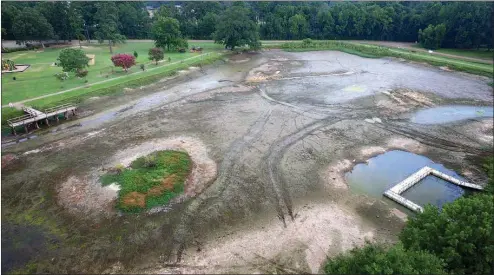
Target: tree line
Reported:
[(435, 24)]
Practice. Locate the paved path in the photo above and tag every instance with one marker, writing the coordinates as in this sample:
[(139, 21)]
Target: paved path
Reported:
[(20, 103)]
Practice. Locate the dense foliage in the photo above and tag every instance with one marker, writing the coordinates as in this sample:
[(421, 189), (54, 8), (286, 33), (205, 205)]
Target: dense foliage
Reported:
[(432, 37), (30, 25), (235, 28), (150, 181), (377, 259), (72, 60), (467, 24), (123, 60), (462, 234), (166, 33)]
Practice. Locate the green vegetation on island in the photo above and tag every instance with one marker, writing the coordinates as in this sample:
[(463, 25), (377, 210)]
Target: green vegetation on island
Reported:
[(150, 181)]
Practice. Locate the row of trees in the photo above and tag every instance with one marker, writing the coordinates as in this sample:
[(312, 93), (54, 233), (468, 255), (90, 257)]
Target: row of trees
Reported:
[(464, 24), (459, 239)]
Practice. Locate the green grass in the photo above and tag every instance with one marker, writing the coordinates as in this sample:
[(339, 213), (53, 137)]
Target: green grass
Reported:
[(39, 79), (367, 50), (146, 176), (475, 53), (114, 87)]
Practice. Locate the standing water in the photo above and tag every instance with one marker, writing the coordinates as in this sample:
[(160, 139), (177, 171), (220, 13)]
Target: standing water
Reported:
[(386, 170), (445, 114)]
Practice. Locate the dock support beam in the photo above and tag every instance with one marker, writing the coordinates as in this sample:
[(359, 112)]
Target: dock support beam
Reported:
[(46, 121), (56, 118), (13, 131), (37, 126), (25, 128)]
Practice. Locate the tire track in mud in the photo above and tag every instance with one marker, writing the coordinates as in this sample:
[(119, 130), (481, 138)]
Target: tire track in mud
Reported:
[(228, 168), (430, 140), (273, 171)]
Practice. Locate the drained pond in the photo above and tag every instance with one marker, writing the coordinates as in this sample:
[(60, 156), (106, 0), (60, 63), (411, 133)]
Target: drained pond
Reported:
[(386, 170)]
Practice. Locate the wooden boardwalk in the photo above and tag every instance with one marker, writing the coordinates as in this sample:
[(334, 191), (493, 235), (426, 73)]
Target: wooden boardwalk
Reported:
[(34, 116), (394, 193)]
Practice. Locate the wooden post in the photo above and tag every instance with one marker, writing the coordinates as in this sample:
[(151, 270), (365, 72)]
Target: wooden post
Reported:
[(13, 131), (37, 126), (66, 115), (73, 112), (25, 128), (56, 117), (46, 121)]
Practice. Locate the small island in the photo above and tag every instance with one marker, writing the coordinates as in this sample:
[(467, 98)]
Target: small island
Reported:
[(149, 181)]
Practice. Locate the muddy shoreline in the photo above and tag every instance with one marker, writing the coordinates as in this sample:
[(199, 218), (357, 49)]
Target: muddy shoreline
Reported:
[(280, 128)]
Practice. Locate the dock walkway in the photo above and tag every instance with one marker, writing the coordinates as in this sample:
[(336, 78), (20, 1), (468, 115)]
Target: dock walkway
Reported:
[(33, 116), (394, 193)]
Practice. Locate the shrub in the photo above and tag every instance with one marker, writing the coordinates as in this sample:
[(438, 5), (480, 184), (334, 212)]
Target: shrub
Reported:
[(462, 234), (143, 67), (156, 54), (62, 76), (307, 42), (72, 60), (81, 73), (377, 259), (136, 54), (123, 60)]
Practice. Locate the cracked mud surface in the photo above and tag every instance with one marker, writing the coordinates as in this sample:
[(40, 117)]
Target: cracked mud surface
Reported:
[(280, 129)]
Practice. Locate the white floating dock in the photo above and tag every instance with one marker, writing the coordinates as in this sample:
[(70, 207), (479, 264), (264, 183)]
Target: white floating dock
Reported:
[(394, 193)]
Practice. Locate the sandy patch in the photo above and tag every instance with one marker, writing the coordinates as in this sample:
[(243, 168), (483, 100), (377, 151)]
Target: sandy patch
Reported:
[(397, 213), (92, 59), (267, 71), (228, 89), (334, 175), (87, 195), (318, 230)]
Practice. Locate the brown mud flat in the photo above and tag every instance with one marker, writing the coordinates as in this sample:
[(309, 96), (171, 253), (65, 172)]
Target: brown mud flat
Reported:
[(267, 191)]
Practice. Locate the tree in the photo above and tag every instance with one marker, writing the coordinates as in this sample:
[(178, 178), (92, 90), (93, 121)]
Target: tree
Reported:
[(123, 60), (166, 32), (30, 25), (80, 37), (107, 24), (462, 234), (432, 36), (298, 26), (72, 60), (235, 28), (207, 25), (376, 259), (156, 54)]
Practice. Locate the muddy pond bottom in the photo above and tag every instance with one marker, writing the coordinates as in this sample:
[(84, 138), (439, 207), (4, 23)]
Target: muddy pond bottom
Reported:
[(446, 114), (386, 170)]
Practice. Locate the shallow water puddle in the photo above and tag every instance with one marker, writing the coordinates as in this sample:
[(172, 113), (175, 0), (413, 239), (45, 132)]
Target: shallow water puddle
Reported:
[(445, 114), (386, 170)]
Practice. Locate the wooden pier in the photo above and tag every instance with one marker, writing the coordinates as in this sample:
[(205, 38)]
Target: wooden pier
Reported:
[(34, 116), (394, 193)]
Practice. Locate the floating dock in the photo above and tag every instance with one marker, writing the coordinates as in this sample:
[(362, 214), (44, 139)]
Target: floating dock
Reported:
[(34, 116), (394, 193)]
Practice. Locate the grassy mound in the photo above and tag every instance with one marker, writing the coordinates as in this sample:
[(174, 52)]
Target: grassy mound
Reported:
[(150, 181)]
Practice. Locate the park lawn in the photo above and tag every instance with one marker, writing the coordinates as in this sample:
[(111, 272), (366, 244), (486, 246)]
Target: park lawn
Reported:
[(475, 53), (458, 64), (39, 79), (480, 53)]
